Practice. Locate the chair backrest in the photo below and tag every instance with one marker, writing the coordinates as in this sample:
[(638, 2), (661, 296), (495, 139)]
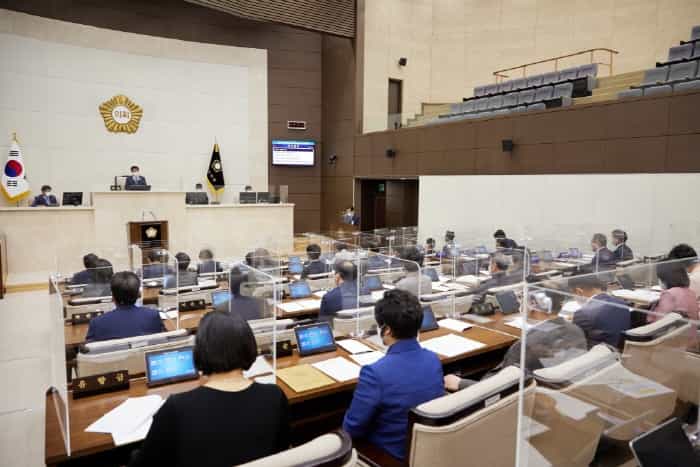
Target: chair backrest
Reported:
[(510, 99), (588, 70), (687, 86), (551, 77), (348, 322), (658, 90), (563, 90), (568, 73), (680, 52), (329, 450), (105, 306), (520, 108), (655, 75), (133, 342), (479, 91), (544, 93), (131, 359), (460, 425), (505, 86), (695, 33), (468, 106), (536, 106), (535, 80), (519, 83), (627, 93), (681, 71), (482, 104), (456, 108), (491, 89), (495, 102), (526, 97)]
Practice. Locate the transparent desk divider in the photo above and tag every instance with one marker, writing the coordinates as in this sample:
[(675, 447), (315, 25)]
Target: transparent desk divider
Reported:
[(257, 297), (615, 358), (164, 280), (58, 390)]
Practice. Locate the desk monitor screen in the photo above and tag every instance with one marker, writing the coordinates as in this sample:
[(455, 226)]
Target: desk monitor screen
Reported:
[(625, 281), (534, 259), (138, 188), (432, 273), (666, 445), (574, 253), (547, 256), (247, 197), (314, 338), (429, 323), (295, 268), (508, 302), (293, 153), (294, 259), (299, 289), (72, 198), (263, 197), (170, 366), (219, 297), (373, 283)]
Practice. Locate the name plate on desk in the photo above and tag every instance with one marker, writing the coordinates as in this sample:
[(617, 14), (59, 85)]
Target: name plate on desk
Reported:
[(192, 305), (82, 318), (98, 384)]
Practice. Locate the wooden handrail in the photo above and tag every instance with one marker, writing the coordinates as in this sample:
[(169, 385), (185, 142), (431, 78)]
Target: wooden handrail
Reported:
[(501, 74)]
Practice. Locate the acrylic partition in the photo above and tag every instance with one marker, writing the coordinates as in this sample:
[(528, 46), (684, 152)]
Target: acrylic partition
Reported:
[(608, 356), (256, 296), (58, 397), (164, 281)]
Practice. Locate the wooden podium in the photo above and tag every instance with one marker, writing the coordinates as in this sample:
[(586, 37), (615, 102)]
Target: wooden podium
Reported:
[(148, 235)]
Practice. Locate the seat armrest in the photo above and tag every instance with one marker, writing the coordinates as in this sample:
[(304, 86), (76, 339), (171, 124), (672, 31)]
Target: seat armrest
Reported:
[(375, 457)]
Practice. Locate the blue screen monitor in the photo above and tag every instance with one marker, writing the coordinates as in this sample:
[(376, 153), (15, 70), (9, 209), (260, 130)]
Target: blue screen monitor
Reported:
[(293, 153), (219, 297), (293, 259), (170, 366), (295, 268), (429, 323), (534, 259), (314, 338), (432, 273), (299, 289), (373, 283), (574, 253)]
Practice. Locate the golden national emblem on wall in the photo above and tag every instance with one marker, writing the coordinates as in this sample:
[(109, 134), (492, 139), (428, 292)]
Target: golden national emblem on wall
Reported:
[(121, 114)]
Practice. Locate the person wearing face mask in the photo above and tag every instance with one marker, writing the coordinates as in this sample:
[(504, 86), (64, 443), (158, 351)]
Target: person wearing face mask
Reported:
[(603, 318), (622, 252), (45, 198), (603, 256), (405, 377), (344, 295), (135, 179)]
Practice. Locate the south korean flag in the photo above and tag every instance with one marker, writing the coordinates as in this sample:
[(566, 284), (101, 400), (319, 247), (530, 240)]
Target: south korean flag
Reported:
[(14, 181)]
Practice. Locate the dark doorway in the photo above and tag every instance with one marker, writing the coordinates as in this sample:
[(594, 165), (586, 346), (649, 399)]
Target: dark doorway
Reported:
[(395, 107), (388, 203)]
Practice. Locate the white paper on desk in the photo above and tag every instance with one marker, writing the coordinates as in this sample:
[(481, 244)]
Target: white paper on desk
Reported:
[(451, 345), (138, 434), (353, 346), (259, 367), (168, 314), (477, 318), (290, 307), (367, 358), (338, 368), (320, 293), (267, 379), (309, 304), (518, 323), (569, 406), (377, 295), (441, 288), (468, 279), (127, 416), (454, 324)]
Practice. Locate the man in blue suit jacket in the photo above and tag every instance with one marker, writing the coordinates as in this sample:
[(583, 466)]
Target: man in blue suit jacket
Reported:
[(127, 319), (45, 198), (603, 258), (344, 296), (86, 276), (315, 265), (603, 318), (135, 179), (246, 307), (406, 377)]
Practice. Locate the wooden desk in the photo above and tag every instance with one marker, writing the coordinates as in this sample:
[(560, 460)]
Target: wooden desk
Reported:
[(312, 412)]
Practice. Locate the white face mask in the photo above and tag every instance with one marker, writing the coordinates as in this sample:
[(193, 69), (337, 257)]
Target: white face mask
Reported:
[(47, 194), (134, 174)]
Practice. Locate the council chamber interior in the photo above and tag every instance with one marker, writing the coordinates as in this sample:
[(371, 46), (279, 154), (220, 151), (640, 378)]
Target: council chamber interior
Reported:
[(350, 233)]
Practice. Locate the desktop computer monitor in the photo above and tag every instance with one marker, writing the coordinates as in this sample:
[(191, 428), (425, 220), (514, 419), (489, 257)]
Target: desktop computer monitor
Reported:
[(170, 366), (429, 322), (299, 289), (72, 198), (508, 302), (247, 197), (314, 338), (295, 268), (219, 297)]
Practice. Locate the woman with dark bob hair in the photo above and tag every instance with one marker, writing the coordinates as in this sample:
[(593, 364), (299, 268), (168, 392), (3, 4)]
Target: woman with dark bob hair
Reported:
[(229, 420), (676, 296)]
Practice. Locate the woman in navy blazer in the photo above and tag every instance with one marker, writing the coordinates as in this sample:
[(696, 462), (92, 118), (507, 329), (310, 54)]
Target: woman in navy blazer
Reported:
[(405, 377)]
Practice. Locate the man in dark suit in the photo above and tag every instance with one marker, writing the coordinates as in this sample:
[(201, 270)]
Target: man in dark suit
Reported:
[(184, 277), (45, 198), (207, 263), (603, 318), (83, 277), (198, 196), (344, 295), (603, 257), (156, 269), (135, 179), (502, 240), (407, 376), (127, 319), (247, 308), (99, 284), (315, 265), (499, 274), (622, 252)]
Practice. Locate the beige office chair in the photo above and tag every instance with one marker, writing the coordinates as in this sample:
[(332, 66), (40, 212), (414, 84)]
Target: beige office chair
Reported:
[(263, 331), (329, 450), (347, 322), (446, 306), (658, 350), (477, 425), (623, 398), (127, 354)]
